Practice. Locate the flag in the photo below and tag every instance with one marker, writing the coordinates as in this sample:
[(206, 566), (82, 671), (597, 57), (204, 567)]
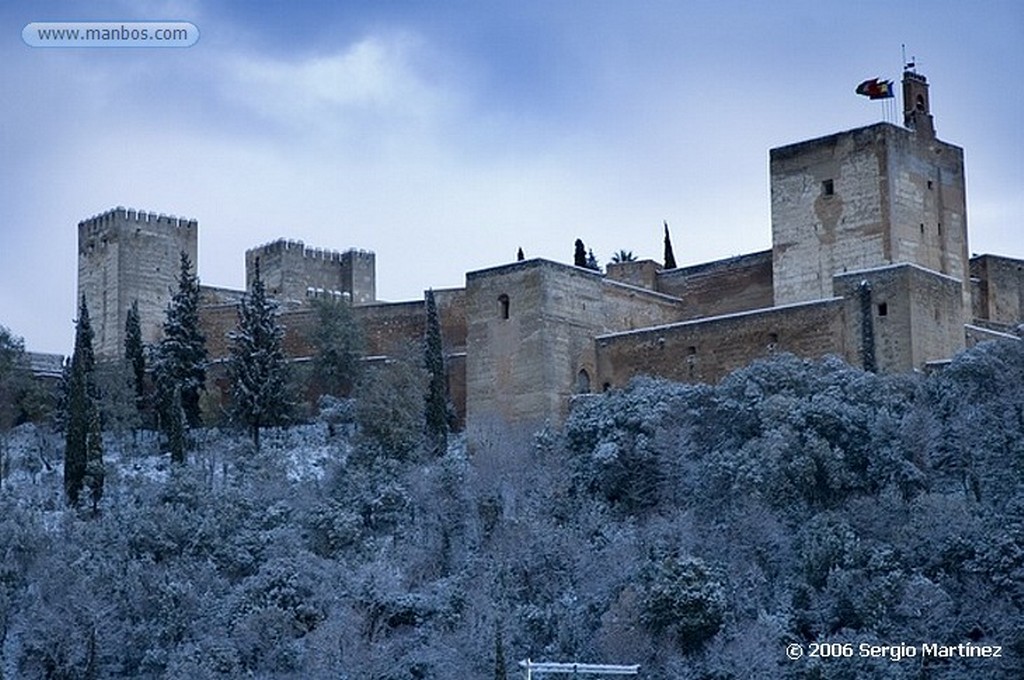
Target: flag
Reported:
[(875, 89)]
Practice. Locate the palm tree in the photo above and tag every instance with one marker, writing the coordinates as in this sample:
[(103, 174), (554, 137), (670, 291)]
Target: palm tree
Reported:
[(623, 256)]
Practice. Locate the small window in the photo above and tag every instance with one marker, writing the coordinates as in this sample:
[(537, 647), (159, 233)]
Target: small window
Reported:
[(883, 309), (773, 341), (931, 185), (607, 386), (922, 227), (940, 228), (828, 188), (503, 306)]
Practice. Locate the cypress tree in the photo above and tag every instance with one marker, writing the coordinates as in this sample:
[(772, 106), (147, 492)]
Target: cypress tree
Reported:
[(134, 352), (94, 474), (670, 259), (82, 444), (339, 347), (259, 371), (579, 257), (181, 355), (436, 413), (520, 256), (500, 672)]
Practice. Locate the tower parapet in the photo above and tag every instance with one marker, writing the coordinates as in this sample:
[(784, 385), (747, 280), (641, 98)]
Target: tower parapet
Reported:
[(127, 255), (290, 270)]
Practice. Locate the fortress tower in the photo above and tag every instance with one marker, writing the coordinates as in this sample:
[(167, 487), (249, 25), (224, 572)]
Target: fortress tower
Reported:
[(128, 255), (870, 197), (292, 271)]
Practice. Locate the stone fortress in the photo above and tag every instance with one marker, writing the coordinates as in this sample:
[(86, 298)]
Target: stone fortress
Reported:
[(869, 262)]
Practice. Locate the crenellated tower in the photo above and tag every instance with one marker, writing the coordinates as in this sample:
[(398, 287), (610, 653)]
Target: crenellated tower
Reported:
[(127, 255), (295, 272)]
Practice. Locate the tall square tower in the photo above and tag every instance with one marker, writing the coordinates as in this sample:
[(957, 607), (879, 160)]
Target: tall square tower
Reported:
[(126, 256), (871, 197)]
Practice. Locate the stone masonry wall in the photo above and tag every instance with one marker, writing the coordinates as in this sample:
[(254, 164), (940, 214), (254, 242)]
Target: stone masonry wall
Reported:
[(708, 349), (389, 329), (530, 329), (1000, 285), (737, 284), (916, 314)]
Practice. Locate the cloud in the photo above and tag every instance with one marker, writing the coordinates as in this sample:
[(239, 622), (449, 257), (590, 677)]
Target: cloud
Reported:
[(373, 81)]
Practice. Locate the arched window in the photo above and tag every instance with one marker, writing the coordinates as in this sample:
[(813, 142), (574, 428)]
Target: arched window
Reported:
[(503, 306), (583, 382)]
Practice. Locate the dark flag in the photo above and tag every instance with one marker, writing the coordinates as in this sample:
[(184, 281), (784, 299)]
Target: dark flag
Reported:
[(875, 89)]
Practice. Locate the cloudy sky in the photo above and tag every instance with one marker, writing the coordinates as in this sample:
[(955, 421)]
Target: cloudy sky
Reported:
[(445, 135)]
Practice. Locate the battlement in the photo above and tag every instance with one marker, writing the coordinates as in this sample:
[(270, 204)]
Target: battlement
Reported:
[(122, 215), (282, 245)]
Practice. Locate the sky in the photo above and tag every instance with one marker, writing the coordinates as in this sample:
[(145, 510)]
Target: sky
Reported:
[(444, 136)]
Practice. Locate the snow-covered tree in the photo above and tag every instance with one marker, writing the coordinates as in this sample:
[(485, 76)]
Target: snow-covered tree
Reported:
[(180, 360), (261, 392), (83, 449), (12, 353), (338, 339)]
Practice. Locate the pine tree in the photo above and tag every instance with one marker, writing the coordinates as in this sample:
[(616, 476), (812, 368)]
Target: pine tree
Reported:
[(436, 412), (579, 257), (83, 449), (338, 339), (134, 352), (592, 261), (670, 259), (259, 371), (181, 356)]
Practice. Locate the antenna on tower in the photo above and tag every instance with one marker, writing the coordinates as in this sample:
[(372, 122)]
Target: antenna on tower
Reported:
[(908, 65)]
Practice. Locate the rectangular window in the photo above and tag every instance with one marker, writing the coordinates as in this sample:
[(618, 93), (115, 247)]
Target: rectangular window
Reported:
[(883, 309), (828, 188)]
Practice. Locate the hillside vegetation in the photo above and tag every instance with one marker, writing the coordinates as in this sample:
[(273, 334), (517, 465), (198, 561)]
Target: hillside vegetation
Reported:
[(696, 530)]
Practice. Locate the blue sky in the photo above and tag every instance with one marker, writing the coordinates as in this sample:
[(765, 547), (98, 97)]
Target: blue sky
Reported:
[(445, 135)]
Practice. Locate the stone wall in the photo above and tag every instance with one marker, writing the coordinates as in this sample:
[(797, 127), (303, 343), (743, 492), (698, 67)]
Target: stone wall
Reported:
[(999, 285), (706, 350), (127, 255), (530, 329), (736, 284), (916, 314), (389, 329)]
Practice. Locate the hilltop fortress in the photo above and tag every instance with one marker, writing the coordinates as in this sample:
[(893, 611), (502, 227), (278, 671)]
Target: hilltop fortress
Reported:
[(869, 262)]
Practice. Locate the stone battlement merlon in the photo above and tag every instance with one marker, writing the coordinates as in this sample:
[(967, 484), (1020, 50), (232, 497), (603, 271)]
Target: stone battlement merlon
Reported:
[(310, 252), (132, 216)]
